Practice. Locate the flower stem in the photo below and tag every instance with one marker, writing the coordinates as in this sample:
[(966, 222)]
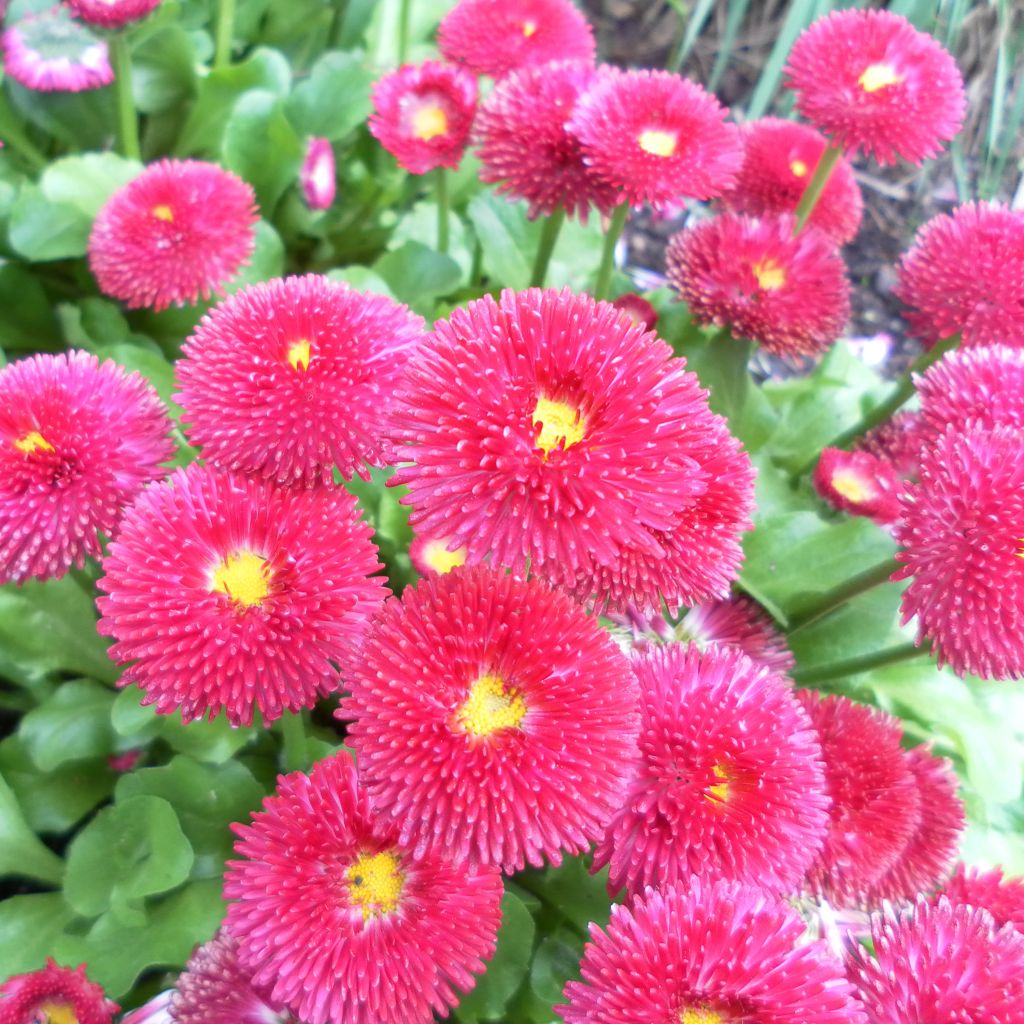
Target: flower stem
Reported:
[(293, 731), (548, 239), (338, 23), (854, 666), (127, 120), (604, 271), (225, 33), (14, 136), (819, 179), (404, 11), (839, 595), (443, 209)]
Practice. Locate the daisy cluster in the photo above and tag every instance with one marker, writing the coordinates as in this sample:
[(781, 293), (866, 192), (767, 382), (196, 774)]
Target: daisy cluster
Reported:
[(573, 673)]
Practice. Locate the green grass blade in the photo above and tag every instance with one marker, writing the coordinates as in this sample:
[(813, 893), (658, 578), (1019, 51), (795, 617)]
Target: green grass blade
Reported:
[(694, 24), (737, 12)]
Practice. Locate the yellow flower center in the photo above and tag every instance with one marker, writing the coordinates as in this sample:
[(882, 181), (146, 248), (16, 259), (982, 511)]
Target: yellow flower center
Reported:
[(657, 142), (560, 424), (529, 27), (57, 1013), (375, 883), (429, 122), (770, 275), (298, 354), (699, 1015), (244, 577), (852, 486), (440, 559), (799, 168), (878, 76), (33, 441), (163, 212), (491, 707), (719, 792)]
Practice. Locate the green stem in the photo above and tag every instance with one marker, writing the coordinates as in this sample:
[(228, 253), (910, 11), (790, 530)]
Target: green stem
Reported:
[(443, 209), (548, 238), (127, 121), (839, 595), (338, 23), (14, 136), (604, 271), (225, 34), (815, 187), (403, 30), (293, 731), (854, 666)]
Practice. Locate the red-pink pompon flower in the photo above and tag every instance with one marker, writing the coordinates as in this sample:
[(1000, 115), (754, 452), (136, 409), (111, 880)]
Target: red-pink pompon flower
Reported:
[(215, 988), (943, 963), (739, 622), (658, 137), (55, 994), (495, 721), (338, 921), (524, 145), (859, 483), (897, 441), (962, 551), (638, 309), (787, 292), (78, 441), (730, 785), (423, 114), (708, 954), (870, 81), (493, 37), (111, 13), (178, 232), (876, 802), (289, 378), (82, 62), (927, 858), (319, 183), (225, 593), (964, 275), (1002, 897), (779, 158)]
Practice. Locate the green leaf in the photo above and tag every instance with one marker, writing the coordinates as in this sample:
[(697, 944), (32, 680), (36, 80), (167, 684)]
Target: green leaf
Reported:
[(580, 896), (87, 181), (73, 724), (151, 363), (26, 316), (29, 928), (507, 238), (42, 230), (556, 961), (417, 274), (129, 851), (164, 70), (334, 99), (21, 852)]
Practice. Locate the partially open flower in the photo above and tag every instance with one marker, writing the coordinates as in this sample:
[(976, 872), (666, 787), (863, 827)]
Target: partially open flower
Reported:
[(638, 309), (319, 183), (897, 441), (492, 37), (423, 114), (964, 275), (51, 52), (869, 80), (739, 621), (111, 13), (178, 232), (859, 483), (54, 994)]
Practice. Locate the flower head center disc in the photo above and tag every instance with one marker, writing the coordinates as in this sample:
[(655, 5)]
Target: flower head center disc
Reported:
[(490, 707), (718, 793), (770, 275), (299, 354), (56, 1013), (699, 1015), (440, 559), (529, 27), (33, 441), (799, 168), (244, 577), (428, 122), (375, 883), (163, 212), (560, 425), (657, 142), (878, 76), (851, 486)]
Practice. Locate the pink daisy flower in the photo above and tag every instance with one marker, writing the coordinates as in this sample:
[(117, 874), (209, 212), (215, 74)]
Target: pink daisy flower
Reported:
[(779, 158), (111, 13), (896, 441), (658, 137), (876, 802), (492, 37), (738, 622), (788, 292), (432, 555), (56, 994), (1002, 897), (707, 955), (215, 988), (494, 720), (524, 144), (178, 232), (225, 593), (927, 858), (51, 52), (525, 449), (859, 483), (964, 275), (338, 921), (730, 783), (961, 533), (870, 81), (638, 309), (78, 441), (423, 115), (319, 183), (943, 963), (289, 378)]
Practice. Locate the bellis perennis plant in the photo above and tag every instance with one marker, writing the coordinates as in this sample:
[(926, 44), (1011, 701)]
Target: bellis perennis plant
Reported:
[(460, 555)]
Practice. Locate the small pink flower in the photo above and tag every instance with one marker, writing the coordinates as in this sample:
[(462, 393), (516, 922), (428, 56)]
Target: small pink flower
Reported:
[(319, 183), (83, 62), (55, 994), (859, 483), (111, 13)]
